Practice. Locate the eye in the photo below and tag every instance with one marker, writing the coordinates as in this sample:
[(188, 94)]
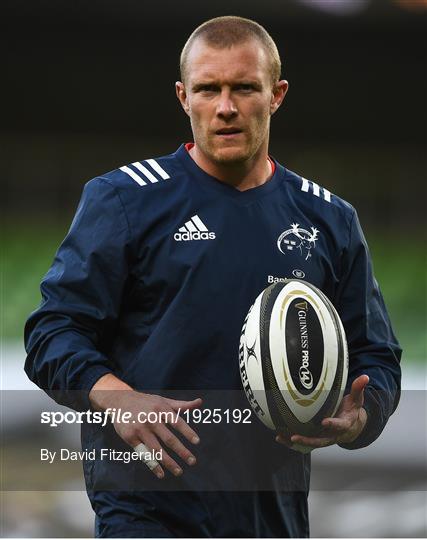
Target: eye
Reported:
[(244, 87), (207, 88)]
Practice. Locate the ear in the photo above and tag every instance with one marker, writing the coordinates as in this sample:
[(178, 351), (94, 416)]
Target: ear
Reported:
[(278, 94), (181, 94)]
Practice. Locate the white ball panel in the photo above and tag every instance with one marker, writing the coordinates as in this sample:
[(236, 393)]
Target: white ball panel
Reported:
[(250, 365)]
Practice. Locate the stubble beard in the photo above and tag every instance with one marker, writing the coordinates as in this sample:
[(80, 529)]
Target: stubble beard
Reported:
[(223, 155)]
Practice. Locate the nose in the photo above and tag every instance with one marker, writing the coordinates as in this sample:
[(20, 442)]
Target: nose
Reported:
[(226, 108)]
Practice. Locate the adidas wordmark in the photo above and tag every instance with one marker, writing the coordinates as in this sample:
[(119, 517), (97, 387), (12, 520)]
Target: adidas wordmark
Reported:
[(194, 229)]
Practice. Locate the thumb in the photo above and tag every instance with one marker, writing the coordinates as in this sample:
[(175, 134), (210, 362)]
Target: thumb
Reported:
[(357, 389)]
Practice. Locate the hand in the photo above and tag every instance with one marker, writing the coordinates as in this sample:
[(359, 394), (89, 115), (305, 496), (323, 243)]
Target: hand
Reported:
[(110, 392), (345, 427), (154, 434)]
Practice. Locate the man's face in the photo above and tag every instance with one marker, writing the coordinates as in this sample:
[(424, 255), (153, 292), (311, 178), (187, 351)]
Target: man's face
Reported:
[(229, 98)]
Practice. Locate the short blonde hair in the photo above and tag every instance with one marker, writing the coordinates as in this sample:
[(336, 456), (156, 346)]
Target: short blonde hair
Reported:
[(223, 32)]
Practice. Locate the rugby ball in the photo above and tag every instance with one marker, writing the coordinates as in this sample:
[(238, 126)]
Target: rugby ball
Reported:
[(293, 358)]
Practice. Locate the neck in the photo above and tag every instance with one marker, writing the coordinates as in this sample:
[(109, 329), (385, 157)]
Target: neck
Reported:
[(242, 175)]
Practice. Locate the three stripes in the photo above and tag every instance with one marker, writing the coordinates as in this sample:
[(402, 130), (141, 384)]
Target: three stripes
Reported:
[(144, 174), (316, 189)]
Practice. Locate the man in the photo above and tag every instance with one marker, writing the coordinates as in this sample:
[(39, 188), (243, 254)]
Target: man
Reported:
[(149, 290)]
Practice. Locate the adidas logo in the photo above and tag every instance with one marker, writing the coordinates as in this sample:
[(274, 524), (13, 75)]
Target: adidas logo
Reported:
[(194, 229)]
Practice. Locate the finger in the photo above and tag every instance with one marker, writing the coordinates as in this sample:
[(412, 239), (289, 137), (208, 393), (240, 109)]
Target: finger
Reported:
[(301, 448), (152, 464), (297, 447), (357, 389), (336, 425), (184, 405), (175, 444), (282, 439), (181, 425), (313, 442), (170, 464)]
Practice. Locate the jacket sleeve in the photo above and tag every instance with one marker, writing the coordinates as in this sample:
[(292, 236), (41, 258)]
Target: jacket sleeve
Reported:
[(67, 337), (373, 348)]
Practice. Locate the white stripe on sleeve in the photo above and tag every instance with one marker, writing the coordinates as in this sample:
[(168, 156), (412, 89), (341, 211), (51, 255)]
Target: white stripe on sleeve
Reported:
[(305, 184), (153, 163), (316, 189), (145, 171), (133, 175), (327, 195)]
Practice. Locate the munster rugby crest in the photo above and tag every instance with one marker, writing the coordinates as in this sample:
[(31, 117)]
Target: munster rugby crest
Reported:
[(297, 238)]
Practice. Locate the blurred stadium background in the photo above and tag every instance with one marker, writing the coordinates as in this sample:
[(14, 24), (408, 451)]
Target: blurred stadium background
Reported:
[(88, 86)]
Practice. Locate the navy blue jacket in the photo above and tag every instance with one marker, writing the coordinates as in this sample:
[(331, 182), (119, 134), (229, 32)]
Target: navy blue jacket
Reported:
[(153, 282)]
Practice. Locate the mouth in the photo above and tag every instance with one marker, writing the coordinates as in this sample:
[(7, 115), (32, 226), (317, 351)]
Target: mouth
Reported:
[(228, 132)]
